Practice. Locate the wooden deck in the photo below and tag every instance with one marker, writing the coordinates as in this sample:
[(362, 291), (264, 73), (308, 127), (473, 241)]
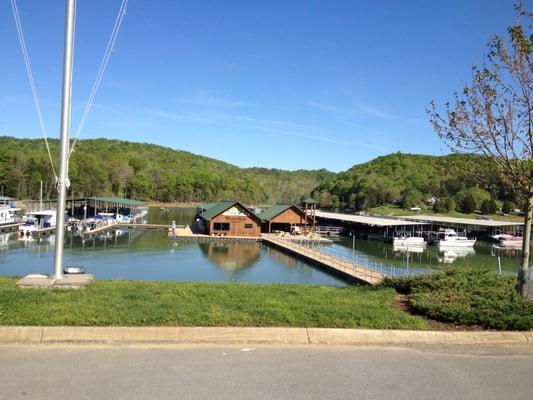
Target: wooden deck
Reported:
[(199, 238), (146, 227), (9, 228), (332, 263)]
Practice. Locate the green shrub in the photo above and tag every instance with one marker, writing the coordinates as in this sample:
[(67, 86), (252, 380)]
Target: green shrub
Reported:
[(488, 207), (468, 205), (468, 297)]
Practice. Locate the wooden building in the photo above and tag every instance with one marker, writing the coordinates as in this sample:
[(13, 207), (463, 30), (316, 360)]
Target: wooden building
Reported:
[(228, 218), (285, 217)]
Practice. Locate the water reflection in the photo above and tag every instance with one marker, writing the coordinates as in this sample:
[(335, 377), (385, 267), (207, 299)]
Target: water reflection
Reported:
[(231, 257), (423, 259), (449, 256)]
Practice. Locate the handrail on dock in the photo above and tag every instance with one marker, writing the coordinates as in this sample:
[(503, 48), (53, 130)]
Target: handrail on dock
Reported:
[(343, 267)]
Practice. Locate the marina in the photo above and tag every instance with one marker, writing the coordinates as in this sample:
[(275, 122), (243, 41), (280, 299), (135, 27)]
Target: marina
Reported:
[(145, 251)]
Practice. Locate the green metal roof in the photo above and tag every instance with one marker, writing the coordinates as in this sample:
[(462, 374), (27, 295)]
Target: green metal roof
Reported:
[(206, 206), (116, 200), (219, 208), (276, 210), (309, 200)]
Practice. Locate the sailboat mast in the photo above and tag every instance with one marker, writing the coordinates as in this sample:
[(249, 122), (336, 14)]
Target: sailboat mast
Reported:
[(66, 102)]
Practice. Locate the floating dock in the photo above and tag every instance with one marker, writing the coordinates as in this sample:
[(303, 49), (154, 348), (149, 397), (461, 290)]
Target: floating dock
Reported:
[(145, 227), (9, 228), (334, 264)]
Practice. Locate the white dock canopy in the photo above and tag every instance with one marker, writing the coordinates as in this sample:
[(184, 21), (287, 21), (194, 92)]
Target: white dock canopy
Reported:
[(368, 220), (436, 219)]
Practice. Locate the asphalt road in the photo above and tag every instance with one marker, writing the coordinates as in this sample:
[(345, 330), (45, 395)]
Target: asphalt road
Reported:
[(114, 372)]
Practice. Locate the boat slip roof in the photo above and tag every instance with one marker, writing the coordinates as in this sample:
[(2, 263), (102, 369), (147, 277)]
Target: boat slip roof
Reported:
[(114, 200), (461, 221), (367, 220)]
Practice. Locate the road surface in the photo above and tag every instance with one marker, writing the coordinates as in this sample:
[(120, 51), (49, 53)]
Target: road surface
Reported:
[(200, 372)]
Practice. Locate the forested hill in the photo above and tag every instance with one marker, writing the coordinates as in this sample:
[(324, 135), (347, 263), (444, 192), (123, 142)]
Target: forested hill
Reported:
[(410, 179), (151, 172), (147, 171)]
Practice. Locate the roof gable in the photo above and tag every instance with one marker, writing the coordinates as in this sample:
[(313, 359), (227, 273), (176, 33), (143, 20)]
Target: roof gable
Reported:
[(219, 208), (276, 210)]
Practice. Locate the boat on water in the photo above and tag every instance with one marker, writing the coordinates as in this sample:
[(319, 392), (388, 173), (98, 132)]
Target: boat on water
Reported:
[(8, 211), (36, 220), (510, 241), (408, 248), (450, 238), (408, 241)]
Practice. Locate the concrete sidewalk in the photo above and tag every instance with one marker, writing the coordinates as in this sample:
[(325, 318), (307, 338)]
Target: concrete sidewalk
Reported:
[(274, 336)]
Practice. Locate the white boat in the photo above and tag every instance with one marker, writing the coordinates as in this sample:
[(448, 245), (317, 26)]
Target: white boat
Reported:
[(408, 241), (38, 220), (511, 241), (8, 215), (408, 248), (8, 211), (450, 238)]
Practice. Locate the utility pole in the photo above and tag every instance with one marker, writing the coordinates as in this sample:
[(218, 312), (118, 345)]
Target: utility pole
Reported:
[(63, 182)]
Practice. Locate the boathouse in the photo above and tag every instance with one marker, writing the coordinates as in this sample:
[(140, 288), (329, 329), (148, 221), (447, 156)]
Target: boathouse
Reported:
[(228, 218), (285, 217)]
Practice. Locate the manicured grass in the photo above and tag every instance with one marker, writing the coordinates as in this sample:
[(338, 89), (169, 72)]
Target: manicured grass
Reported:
[(139, 303), (467, 296), (395, 211)]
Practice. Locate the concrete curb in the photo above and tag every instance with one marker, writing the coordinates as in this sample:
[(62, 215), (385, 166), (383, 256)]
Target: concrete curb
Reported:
[(274, 336)]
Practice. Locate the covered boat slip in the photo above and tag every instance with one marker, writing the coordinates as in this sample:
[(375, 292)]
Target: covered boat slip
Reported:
[(483, 227), (384, 228), (372, 227), (90, 207)]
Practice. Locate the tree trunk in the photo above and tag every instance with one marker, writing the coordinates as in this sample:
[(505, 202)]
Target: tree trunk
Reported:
[(526, 249)]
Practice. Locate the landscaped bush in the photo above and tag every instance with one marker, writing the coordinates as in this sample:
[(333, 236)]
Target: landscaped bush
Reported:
[(467, 296)]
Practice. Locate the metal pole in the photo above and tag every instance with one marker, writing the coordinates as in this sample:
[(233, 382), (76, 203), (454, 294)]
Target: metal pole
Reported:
[(41, 197), (63, 183)]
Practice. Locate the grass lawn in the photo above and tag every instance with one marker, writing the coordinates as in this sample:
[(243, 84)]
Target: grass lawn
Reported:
[(395, 211), (140, 303)]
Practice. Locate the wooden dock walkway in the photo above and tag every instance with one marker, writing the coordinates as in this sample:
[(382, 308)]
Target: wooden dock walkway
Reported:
[(9, 228), (121, 225), (332, 263), (199, 238)]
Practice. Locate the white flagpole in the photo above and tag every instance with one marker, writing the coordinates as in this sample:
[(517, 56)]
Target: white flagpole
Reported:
[(63, 183)]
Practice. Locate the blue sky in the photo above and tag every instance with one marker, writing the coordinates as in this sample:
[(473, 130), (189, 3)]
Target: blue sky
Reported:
[(284, 84)]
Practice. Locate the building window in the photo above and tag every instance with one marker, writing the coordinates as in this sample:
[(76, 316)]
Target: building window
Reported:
[(248, 226), (221, 226)]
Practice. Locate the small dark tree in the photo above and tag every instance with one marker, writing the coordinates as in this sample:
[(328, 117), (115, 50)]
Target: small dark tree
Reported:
[(468, 205), (449, 204), (493, 116), (488, 207), (507, 207)]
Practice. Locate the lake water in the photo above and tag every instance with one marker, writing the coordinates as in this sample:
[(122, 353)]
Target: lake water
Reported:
[(135, 254), (150, 255)]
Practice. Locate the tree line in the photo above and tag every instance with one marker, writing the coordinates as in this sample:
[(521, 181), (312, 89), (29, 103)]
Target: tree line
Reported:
[(147, 172), (462, 182)]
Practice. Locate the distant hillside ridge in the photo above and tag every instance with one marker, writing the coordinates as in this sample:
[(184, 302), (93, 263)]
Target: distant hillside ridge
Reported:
[(412, 179), (147, 171)]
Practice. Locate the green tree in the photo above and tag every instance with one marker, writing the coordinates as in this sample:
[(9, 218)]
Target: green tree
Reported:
[(488, 207), (449, 204), (493, 116), (468, 204), (411, 198), (507, 207)]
